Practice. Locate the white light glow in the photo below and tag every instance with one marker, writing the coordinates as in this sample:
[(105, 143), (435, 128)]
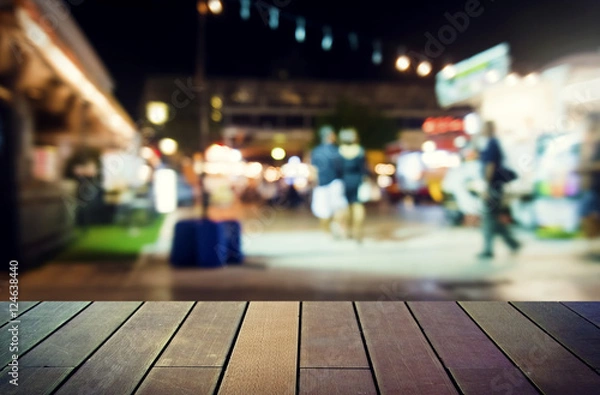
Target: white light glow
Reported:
[(428, 146), (449, 71), (532, 79), (300, 30), (472, 123), (327, 41), (385, 169), (145, 173), (215, 6), (167, 146), (402, 63), (146, 153), (492, 76), (460, 141), (424, 68), (278, 153), (165, 182), (512, 79), (272, 174), (157, 112), (253, 170), (384, 181), (294, 160)]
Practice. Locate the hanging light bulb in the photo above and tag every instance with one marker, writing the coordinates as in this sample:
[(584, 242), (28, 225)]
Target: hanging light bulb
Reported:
[(327, 42), (245, 9), (273, 18), (300, 30), (424, 68), (353, 39), (377, 57)]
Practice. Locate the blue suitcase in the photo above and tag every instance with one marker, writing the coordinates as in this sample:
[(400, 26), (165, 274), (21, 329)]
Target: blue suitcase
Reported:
[(183, 249), (231, 250)]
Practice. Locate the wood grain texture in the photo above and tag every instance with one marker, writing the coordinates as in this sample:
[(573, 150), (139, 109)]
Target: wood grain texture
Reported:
[(36, 324), (265, 353), (402, 359), (180, 381), (477, 364), (570, 329), (336, 381), (552, 368), (22, 307), (73, 343), (206, 336), (119, 365), (33, 381), (589, 310), (330, 336)]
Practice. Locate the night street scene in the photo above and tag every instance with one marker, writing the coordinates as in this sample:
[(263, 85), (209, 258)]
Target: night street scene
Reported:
[(284, 150)]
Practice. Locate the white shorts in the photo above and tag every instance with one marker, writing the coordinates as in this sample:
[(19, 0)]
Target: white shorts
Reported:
[(328, 199)]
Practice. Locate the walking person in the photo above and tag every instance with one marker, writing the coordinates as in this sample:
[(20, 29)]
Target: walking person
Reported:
[(328, 201), (494, 175), (354, 171)]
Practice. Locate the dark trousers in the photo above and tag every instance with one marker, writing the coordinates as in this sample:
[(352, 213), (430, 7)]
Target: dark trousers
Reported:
[(491, 224)]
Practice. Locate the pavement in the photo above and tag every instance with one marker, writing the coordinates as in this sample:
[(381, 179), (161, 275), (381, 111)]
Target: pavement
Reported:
[(409, 253)]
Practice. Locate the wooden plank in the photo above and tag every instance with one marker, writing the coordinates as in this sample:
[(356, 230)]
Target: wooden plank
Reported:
[(36, 324), (336, 381), (180, 381), (119, 365), (567, 327), (478, 366), (402, 359), (589, 310), (552, 368), (265, 354), (5, 308), (33, 381), (330, 336), (206, 336), (73, 343)]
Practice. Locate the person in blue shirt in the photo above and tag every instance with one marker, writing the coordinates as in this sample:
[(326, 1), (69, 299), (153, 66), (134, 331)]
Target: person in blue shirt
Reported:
[(328, 200), (491, 158)]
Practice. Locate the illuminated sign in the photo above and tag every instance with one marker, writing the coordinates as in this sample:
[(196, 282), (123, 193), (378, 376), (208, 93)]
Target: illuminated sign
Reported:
[(440, 125), (471, 76)]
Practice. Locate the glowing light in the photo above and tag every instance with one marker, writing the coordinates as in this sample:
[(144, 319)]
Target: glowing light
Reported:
[(146, 153), (145, 173), (385, 169), (215, 6), (424, 68), (167, 146), (449, 71), (353, 39), (492, 76), (460, 141), (377, 57), (294, 160), (165, 181), (245, 9), (157, 112), (272, 174), (532, 79), (327, 41), (278, 153), (235, 155), (273, 18), (300, 30), (216, 102), (216, 116), (402, 63), (384, 181), (253, 170), (428, 146), (512, 79), (472, 123), (300, 183)]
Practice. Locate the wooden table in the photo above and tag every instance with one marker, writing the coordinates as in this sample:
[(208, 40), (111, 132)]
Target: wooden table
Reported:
[(306, 348)]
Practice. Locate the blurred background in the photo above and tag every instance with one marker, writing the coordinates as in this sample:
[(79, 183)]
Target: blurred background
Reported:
[(119, 119)]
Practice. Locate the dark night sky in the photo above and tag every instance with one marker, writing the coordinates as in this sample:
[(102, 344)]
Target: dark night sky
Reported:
[(136, 38)]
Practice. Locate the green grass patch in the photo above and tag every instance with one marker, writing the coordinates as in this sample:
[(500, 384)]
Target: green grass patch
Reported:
[(110, 242), (556, 233)]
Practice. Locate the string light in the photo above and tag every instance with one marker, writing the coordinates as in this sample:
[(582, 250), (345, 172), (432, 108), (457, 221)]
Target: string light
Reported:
[(300, 30), (327, 41), (215, 6), (402, 63), (424, 68)]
